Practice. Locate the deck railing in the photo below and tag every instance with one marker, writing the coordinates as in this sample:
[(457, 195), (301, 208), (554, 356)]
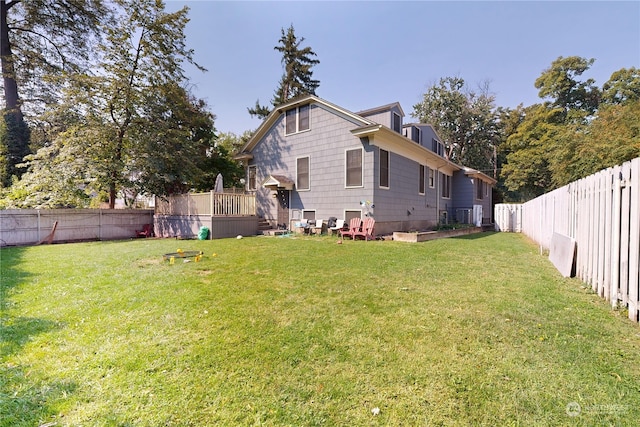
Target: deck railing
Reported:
[(211, 203)]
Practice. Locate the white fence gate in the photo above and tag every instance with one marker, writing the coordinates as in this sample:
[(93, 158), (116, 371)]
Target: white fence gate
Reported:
[(602, 214)]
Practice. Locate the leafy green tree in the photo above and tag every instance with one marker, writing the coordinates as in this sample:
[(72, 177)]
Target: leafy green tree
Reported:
[(578, 131), (297, 78), (129, 126), (559, 83), (466, 120), (623, 86), (527, 169), (39, 39)]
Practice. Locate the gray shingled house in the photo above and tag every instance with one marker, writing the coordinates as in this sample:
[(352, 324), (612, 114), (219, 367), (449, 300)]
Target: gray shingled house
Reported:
[(313, 159)]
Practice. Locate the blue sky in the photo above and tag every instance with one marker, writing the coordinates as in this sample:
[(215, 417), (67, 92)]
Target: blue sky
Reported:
[(374, 53)]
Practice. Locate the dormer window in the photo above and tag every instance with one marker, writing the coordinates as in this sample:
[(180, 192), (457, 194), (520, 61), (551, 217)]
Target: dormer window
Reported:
[(437, 147), (415, 134), (297, 119), (396, 123)]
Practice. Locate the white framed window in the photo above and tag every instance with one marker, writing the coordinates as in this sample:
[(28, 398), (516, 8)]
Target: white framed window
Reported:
[(446, 186), (309, 215), (251, 181), (297, 119), (353, 168), (302, 173), (421, 179), (350, 214), (432, 178), (384, 168)]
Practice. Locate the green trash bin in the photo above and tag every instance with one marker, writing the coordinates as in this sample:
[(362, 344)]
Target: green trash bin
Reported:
[(203, 233)]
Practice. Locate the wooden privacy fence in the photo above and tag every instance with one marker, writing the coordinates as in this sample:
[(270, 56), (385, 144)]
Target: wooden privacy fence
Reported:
[(30, 226), (211, 203), (602, 214)]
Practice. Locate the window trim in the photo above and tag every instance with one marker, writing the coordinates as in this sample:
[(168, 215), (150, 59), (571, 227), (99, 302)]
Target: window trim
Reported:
[(380, 169), (446, 185), (346, 168), (308, 174), (431, 177), (311, 211), (294, 112), (346, 219), (251, 187)]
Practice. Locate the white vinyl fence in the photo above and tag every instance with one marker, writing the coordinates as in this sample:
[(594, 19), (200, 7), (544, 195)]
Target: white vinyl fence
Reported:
[(602, 214)]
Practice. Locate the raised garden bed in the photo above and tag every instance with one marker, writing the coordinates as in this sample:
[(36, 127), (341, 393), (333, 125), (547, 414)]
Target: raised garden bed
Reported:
[(423, 236)]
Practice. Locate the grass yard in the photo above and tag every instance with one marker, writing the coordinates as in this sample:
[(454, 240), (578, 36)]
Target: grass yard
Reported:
[(480, 330)]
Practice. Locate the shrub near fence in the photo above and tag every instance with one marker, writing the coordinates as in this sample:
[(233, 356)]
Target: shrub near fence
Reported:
[(30, 226), (602, 214)]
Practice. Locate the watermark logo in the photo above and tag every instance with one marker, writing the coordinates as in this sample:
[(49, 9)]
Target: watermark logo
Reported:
[(573, 409)]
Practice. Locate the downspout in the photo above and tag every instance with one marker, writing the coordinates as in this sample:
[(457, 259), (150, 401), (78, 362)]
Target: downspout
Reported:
[(438, 181)]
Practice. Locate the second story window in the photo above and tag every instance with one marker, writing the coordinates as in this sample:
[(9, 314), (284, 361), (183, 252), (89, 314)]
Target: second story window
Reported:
[(354, 168), (479, 189), (415, 134), (297, 119), (302, 173), (384, 168), (397, 123), (437, 147)]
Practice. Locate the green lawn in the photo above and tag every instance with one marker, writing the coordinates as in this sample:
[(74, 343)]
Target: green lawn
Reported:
[(480, 330)]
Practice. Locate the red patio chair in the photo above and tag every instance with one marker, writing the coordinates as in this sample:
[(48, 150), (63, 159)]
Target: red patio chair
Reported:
[(147, 231), (367, 230), (354, 227)]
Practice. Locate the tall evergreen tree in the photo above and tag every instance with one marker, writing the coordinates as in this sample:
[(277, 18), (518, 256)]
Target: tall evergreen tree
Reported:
[(297, 78)]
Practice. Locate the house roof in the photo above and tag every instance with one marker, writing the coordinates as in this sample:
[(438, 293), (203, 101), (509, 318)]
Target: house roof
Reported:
[(278, 182), (477, 174), (379, 135), (387, 139), (275, 114), (382, 108)]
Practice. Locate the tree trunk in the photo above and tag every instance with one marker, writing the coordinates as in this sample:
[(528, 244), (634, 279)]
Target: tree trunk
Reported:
[(12, 102)]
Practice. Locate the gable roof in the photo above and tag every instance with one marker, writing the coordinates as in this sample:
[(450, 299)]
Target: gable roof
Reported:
[(477, 174), (275, 114), (381, 109), (276, 182), (387, 139)]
